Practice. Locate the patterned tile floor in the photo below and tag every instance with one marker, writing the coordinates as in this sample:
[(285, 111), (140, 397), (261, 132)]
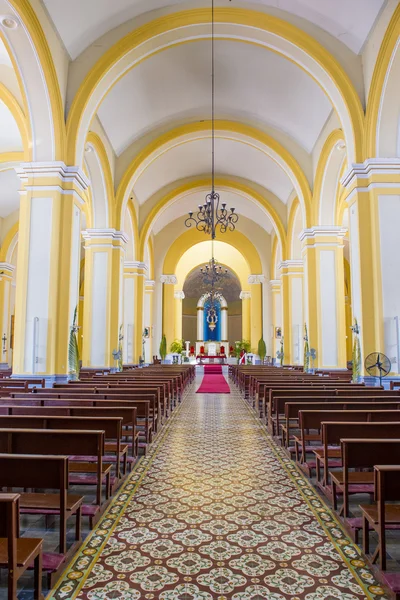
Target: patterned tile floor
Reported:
[(217, 511)]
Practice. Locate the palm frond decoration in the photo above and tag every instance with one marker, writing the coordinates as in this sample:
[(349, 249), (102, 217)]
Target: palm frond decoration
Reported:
[(120, 349), (356, 357), (73, 349), (306, 359)]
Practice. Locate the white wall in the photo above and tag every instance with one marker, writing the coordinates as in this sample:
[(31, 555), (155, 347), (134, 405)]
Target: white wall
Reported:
[(389, 224)]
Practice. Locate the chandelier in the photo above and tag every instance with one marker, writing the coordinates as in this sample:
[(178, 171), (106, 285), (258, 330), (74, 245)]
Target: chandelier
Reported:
[(212, 272), (211, 214)]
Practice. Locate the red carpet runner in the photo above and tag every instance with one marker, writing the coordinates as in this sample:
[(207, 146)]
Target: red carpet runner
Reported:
[(213, 381)]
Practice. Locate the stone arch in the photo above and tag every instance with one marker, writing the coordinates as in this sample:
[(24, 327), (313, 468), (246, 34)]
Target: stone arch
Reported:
[(239, 25), (35, 70), (220, 182), (234, 130), (383, 107), (102, 191), (327, 177)]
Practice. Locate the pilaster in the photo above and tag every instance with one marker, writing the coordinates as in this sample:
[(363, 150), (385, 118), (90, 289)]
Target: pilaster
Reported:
[(47, 287), (322, 251), (104, 308), (6, 278), (276, 293), (245, 297), (292, 309), (169, 281), (179, 296)]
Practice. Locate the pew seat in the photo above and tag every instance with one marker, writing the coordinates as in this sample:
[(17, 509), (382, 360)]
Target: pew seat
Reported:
[(16, 553)]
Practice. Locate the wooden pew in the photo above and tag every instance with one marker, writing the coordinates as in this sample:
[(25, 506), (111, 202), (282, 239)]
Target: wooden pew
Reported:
[(292, 410), (126, 413), (276, 407), (373, 443), (313, 419), (43, 472), (381, 514), (145, 422), (88, 443), (16, 553), (112, 427)]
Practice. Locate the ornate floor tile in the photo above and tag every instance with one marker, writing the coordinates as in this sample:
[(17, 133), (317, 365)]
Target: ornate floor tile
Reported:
[(216, 511)]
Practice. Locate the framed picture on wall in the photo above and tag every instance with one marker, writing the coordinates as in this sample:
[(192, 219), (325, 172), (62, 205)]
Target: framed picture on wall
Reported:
[(146, 332), (278, 332)]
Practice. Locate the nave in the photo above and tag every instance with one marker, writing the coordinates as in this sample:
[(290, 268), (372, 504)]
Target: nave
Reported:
[(216, 510)]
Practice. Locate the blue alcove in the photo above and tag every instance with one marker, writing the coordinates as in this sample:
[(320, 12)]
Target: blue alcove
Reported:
[(212, 336)]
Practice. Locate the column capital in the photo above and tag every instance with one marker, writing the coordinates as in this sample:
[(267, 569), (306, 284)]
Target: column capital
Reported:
[(169, 279), (179, 295), (135, 267), (322, 236), (54, 173), (275, 285), (291, 267), (6, 269), (149, 285), (252, 279), (244, 295), (104, 236), (371, 169)]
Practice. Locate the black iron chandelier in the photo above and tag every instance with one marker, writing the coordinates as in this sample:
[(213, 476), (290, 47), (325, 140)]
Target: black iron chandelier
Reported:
[(213, 272), (212, 215)]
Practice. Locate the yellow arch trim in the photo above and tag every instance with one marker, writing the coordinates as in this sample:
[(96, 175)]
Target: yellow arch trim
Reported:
[(135, 225), (341, 199), (13, 106), (99, 147), (290, 229), (220, 126), (251, 18), (32, 24), (12, 157), (234, 238), (274, 250), (150, 245), (221, 182), (377, 82), (333, 138), (8, 241)]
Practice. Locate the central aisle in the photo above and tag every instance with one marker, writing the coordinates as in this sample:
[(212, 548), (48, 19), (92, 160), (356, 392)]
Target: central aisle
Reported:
[(218, 513)]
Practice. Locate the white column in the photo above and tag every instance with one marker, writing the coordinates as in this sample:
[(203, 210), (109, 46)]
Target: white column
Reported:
[(129, 313), (200, 323), (224, 324)]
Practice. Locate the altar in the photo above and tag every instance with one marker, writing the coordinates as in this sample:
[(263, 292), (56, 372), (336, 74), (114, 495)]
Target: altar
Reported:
[(210, 348), (208, 358)]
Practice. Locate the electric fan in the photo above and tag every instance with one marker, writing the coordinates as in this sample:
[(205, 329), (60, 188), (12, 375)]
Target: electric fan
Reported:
[(377, 365)]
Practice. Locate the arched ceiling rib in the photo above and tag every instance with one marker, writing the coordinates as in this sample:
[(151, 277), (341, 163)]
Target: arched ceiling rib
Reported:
[(349, 22), (194, 159), (252, 86)]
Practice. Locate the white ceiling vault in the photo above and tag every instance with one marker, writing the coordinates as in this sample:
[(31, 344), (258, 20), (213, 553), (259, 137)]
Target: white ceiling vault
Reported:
[(254, 86), (80, 23)]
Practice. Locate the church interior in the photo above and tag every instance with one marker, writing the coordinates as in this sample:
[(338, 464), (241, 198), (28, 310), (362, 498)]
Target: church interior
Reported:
[(199, 303)]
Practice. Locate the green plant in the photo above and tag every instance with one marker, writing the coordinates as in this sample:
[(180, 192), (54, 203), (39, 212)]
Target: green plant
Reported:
[(176, 347), (163, 347), (306, 358), (73, 350), (262, 349)]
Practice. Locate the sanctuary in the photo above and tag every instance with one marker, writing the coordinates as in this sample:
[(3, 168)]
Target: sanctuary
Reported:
[(200, 299)]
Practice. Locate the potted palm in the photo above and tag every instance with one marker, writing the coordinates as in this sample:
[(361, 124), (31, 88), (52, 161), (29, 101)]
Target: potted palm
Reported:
[(73, 350), (262, 349), (163, 347)]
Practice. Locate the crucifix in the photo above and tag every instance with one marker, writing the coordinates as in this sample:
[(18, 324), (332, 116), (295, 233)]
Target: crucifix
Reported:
[(4, 342)]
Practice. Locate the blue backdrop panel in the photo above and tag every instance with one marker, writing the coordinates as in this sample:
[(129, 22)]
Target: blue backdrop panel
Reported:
[(212, 336)]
